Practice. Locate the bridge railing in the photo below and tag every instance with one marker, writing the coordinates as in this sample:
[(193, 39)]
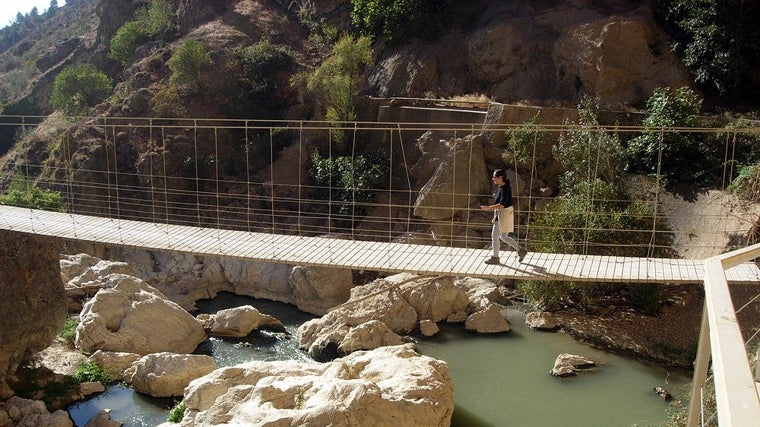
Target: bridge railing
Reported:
[(720, 340), (231, 174)]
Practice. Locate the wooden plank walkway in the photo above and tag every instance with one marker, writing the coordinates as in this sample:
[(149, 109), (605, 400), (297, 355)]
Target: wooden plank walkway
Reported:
[(361, 255)]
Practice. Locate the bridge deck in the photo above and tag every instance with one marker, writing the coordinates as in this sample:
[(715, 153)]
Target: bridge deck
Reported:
[(360, 255)]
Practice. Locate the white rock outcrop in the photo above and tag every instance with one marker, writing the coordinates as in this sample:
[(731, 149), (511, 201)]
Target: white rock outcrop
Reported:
[(167, 374), (387, 386), (128, 315)]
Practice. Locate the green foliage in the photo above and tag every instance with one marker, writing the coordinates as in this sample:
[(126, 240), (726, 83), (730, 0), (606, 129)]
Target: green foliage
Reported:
[(587, 151), (263, 86), (747, 184), (528, 145), (125, 41), (26, 194), (188, 64), (336, 81), (148, 23), (401, 20), (78, 88), (673, 153), (718, 40), (167, 102), (177, 412), (69, 330), (351, 181), (90, 371)]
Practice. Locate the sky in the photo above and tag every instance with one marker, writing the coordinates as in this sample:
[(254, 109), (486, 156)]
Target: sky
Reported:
[(9, 8)]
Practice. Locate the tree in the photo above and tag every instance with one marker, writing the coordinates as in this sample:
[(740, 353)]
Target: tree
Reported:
[(78, 88), (718, 39), (335, 82), (676, 156), (53, 6), (188, 63)]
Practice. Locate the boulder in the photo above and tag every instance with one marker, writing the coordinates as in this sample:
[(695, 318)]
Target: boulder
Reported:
[(26, 412), (167, 374), (103, 419), (318, 289), (368, 336), (114, 363), (428, 328), (128, 315), (387, 386), (568, 364), (238, 322), (459, 178), (541, 320), (487, 321)]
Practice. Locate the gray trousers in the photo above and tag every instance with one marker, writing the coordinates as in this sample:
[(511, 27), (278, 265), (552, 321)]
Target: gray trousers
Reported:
[(497, 237)]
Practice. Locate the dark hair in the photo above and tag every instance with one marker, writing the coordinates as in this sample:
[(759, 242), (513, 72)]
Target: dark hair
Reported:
[(500, 172)]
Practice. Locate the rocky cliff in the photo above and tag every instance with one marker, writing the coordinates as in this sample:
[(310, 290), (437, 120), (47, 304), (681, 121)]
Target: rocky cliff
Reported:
[(32, 299)]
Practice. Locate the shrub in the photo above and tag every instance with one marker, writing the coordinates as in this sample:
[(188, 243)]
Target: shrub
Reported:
[(125, 41), (717, 39), (673, 153), (69, 330), (351, 181), (177, 412), (188, 64), (528, 144), (587, 151), (23, 193), (400, 20), (148, 23), (78, 88), (90, 371), (335, 82)]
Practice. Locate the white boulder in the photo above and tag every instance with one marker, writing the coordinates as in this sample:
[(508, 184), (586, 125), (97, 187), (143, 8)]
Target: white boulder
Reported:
[(167, 374)]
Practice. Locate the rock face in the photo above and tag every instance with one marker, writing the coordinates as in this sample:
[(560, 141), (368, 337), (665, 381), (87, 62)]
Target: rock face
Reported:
[(387, 386), (542, 54), (31, 297), (128, 315)]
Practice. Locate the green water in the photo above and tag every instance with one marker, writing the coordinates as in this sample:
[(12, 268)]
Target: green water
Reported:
[(499, 380), (504, 380)]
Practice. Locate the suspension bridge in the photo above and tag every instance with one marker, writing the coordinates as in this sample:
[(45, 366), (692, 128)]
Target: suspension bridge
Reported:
[(232, 189)]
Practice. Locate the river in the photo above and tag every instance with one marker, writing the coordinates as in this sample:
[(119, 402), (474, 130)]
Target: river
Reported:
[(499, 380)]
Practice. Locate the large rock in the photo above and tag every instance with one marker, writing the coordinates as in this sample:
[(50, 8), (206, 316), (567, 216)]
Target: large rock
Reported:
[(128, 315), (32, 299), (25, 412), (398, 302), (318, 289), (387, 386), (167, 374), (238, 322), (459, 180)]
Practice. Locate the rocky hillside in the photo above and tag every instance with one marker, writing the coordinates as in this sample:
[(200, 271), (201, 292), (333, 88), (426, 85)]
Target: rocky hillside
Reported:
[(543, 53)]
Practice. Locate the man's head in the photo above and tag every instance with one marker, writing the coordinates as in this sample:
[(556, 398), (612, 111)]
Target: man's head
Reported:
[(499, 177)]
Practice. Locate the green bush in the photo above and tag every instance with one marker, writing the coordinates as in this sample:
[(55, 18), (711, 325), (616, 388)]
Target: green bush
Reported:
[(177, 412), (125, 41), (148, 23), (188, 64), (25, 194), (587, 152), (718, 41), (263, 87), (350, 181), (400, 20), (69, 330), (78, 88), (90, 371), (336, 81), (666, 147)]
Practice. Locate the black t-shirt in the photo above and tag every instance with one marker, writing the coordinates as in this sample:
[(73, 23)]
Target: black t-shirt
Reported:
[(504, 195)]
